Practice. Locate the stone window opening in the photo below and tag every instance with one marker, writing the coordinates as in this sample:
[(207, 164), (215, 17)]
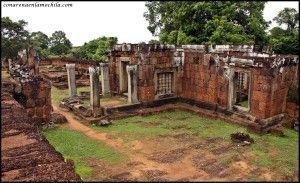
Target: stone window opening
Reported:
[(164, 83), (241, 91)]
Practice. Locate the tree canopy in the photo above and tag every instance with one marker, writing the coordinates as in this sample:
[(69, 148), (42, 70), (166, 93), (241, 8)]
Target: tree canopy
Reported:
[(13, 37), (95, 49), (59, 43), (288, 17), (286, 41), (207, 22)]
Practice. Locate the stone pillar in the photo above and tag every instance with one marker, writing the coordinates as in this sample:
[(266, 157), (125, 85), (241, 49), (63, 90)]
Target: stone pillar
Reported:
[(95, 91), (104, 79), (71, 80), (231, 92), (132, 83)]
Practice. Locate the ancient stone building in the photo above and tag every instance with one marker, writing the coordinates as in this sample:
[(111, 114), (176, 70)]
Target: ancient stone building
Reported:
[(220, 78)]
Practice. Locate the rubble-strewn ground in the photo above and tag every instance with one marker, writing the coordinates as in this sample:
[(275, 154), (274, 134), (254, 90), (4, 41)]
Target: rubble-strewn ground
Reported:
[(180, 146), (25, 153), (58, 94)]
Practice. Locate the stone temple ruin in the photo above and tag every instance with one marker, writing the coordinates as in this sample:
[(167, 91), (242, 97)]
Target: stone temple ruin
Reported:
[(230, 82)]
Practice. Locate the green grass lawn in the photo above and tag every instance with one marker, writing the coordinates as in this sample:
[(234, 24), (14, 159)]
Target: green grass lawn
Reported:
[(166, 123), (278, 154), (244, 103), (78, 147)]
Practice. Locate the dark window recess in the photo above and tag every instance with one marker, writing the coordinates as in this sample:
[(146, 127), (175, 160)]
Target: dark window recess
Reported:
[(164, 83)]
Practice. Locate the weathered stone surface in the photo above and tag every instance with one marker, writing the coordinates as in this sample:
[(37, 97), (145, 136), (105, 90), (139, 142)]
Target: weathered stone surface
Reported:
[(26, 154), (241, 137), (57, 118), (277, 130)]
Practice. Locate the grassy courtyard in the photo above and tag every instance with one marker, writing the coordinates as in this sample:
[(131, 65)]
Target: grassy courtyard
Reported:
[(179, 138)]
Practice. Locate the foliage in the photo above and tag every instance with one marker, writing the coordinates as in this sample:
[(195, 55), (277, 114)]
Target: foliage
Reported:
[(40, 42), (288, 17), (214, 22), (153, 41), (286, 41), (96, 49), (78, 147), (13, 37), (59, 43)]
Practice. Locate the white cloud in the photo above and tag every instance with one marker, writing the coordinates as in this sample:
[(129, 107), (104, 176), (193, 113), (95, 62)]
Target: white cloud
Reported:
[(88, 20)]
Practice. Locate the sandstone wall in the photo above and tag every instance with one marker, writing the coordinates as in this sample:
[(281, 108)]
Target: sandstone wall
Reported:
[(269, 90)]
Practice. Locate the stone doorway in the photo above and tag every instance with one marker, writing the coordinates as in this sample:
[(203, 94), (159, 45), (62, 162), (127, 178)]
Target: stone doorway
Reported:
[(241, 90)]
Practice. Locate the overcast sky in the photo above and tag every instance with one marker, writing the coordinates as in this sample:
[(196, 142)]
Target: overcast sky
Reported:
[(85, 21)]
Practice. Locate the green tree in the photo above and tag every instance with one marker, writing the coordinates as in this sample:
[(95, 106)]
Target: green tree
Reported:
[(97, 49), (288, 17), (40, 42), (214, 22), (286, 41), (153, 41), (59, 43), (13, 37)]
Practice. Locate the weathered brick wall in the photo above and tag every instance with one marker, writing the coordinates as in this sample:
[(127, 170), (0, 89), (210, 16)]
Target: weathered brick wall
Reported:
[(292, 109), (281, 83), (113, 78), (146, 71), (203, 81), (37, 101), (146, 85), (269, 90), (260, 93), (205, 74), (160, 60)]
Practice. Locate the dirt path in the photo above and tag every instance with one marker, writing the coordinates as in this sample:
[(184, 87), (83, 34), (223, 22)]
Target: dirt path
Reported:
[(175, 171), (76, 125)]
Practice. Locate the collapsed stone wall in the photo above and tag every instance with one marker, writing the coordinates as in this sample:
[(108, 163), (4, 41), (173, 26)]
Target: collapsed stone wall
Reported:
[(33, 92)]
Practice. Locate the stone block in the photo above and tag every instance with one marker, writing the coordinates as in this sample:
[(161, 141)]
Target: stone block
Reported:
[(39, 112), (40, 102), (30, 103), (47, 110), (30, 112)]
